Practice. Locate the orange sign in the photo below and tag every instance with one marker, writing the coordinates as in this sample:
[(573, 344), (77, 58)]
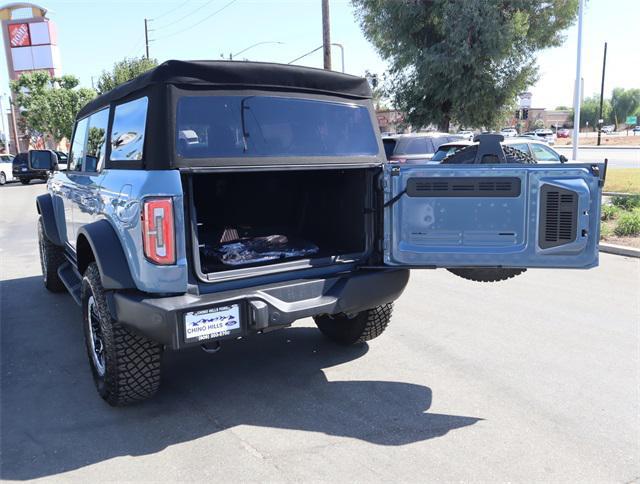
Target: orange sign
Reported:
[(19, 35)]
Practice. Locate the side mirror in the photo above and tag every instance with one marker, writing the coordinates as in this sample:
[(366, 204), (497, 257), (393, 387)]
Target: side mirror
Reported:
[(563, 159), (43, 160)]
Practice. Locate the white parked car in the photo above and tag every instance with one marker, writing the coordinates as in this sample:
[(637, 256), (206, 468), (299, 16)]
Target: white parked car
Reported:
[(545, 135), (6, 169), (509, 132), (537, 149), (466, 135), (608, 129)]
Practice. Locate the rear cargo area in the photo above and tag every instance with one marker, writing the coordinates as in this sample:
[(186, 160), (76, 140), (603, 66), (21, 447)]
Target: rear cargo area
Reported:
[(256, 219)]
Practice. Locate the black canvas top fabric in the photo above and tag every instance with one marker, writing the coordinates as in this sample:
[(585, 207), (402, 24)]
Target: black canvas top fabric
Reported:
[(240, 75)]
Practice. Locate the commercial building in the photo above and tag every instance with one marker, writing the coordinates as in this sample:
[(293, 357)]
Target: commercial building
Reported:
[(30, 44)]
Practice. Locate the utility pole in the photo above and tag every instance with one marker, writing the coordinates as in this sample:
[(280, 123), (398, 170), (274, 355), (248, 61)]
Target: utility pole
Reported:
[(600, 119), (16, 145), (577, 89), (326, 35), (146, 37)]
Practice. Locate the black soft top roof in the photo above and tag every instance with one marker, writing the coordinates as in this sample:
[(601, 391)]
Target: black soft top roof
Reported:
[(240, 75)]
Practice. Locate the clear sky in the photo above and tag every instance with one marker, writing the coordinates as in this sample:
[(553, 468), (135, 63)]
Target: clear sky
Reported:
[(95, 34)]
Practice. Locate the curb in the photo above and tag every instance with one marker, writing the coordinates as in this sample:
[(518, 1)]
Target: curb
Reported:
[(618, 194), (620, 250)]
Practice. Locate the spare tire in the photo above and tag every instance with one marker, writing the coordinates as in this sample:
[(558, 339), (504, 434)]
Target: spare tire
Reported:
[(487, 274)]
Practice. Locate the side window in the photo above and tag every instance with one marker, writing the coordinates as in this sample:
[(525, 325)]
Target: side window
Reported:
[(542, 153), (524, 147), (76, 155), (96, 140), (127, 132)]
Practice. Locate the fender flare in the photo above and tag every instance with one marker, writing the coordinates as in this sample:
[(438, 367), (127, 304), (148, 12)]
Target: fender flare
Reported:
[(108, 254), (44, 205)]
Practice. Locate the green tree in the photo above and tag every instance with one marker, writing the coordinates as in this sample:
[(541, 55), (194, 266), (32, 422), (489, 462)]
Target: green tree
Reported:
[(124, 71), (48, 105), (624, 102), (380, 100), (538, 124), (590, 112), (462, 61)]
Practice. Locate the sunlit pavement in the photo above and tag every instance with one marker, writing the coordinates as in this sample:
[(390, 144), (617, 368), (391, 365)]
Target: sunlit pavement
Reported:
[(530, 379)]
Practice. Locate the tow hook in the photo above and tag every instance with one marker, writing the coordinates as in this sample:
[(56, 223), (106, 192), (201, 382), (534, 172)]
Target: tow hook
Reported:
[(211, 348)]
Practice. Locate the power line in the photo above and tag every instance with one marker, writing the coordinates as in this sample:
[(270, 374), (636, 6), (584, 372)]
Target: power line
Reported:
[(136, 46), (170, 11), (188, 14), (201, 21)]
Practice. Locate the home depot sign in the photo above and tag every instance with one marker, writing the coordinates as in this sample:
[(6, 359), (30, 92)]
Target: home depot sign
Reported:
[(19, 35)]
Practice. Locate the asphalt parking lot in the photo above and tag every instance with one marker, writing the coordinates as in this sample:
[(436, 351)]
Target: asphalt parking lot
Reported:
[(530, 379)]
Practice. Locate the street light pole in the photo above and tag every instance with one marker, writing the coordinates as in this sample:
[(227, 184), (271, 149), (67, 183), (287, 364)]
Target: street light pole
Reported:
[(7, 139), (341, 53), (231, 56), (316, 50), (577, 89)]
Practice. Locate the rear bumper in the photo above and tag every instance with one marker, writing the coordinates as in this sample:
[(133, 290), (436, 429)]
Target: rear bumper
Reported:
[(261, 307)]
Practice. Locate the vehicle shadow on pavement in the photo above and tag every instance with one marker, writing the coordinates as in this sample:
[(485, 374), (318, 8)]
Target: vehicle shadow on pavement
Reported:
[(53, 421)]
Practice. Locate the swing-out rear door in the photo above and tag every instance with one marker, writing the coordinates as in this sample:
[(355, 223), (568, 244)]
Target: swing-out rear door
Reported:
[(503, 215)]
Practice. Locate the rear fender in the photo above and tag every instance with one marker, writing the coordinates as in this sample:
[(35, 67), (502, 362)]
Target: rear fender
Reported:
[(98, 241)]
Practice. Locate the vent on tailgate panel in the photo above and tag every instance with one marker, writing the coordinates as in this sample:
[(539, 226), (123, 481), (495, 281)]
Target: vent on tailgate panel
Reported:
[(558, 216), (464, 187)]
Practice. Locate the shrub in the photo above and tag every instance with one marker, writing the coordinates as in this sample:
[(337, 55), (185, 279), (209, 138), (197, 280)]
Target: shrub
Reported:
[(609, 212), (628, 224), (626, 203), (605, 230)]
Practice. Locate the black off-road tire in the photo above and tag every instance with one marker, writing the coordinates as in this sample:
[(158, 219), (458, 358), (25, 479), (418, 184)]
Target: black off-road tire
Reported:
[(364, 326), (51, 258), (25, 181), (487, 274), (130, 363), (3, 178)]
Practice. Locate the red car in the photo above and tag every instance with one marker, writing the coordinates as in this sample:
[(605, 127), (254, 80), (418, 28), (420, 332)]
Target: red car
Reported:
[(562, 133)]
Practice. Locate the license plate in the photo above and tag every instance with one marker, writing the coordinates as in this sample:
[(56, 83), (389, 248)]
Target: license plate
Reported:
[(211, 323), (23, 169)]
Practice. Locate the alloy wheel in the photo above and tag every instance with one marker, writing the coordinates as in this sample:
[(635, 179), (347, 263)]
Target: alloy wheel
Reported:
[(95, 330)]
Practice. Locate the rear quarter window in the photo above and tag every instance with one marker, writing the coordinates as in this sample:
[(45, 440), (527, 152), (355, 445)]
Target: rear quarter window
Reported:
[(128, 130)]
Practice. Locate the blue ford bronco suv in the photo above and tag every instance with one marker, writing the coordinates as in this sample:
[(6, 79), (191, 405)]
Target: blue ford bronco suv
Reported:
[(208, 201)]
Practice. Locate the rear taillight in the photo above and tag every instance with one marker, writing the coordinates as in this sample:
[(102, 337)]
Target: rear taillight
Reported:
[(158, 232)]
